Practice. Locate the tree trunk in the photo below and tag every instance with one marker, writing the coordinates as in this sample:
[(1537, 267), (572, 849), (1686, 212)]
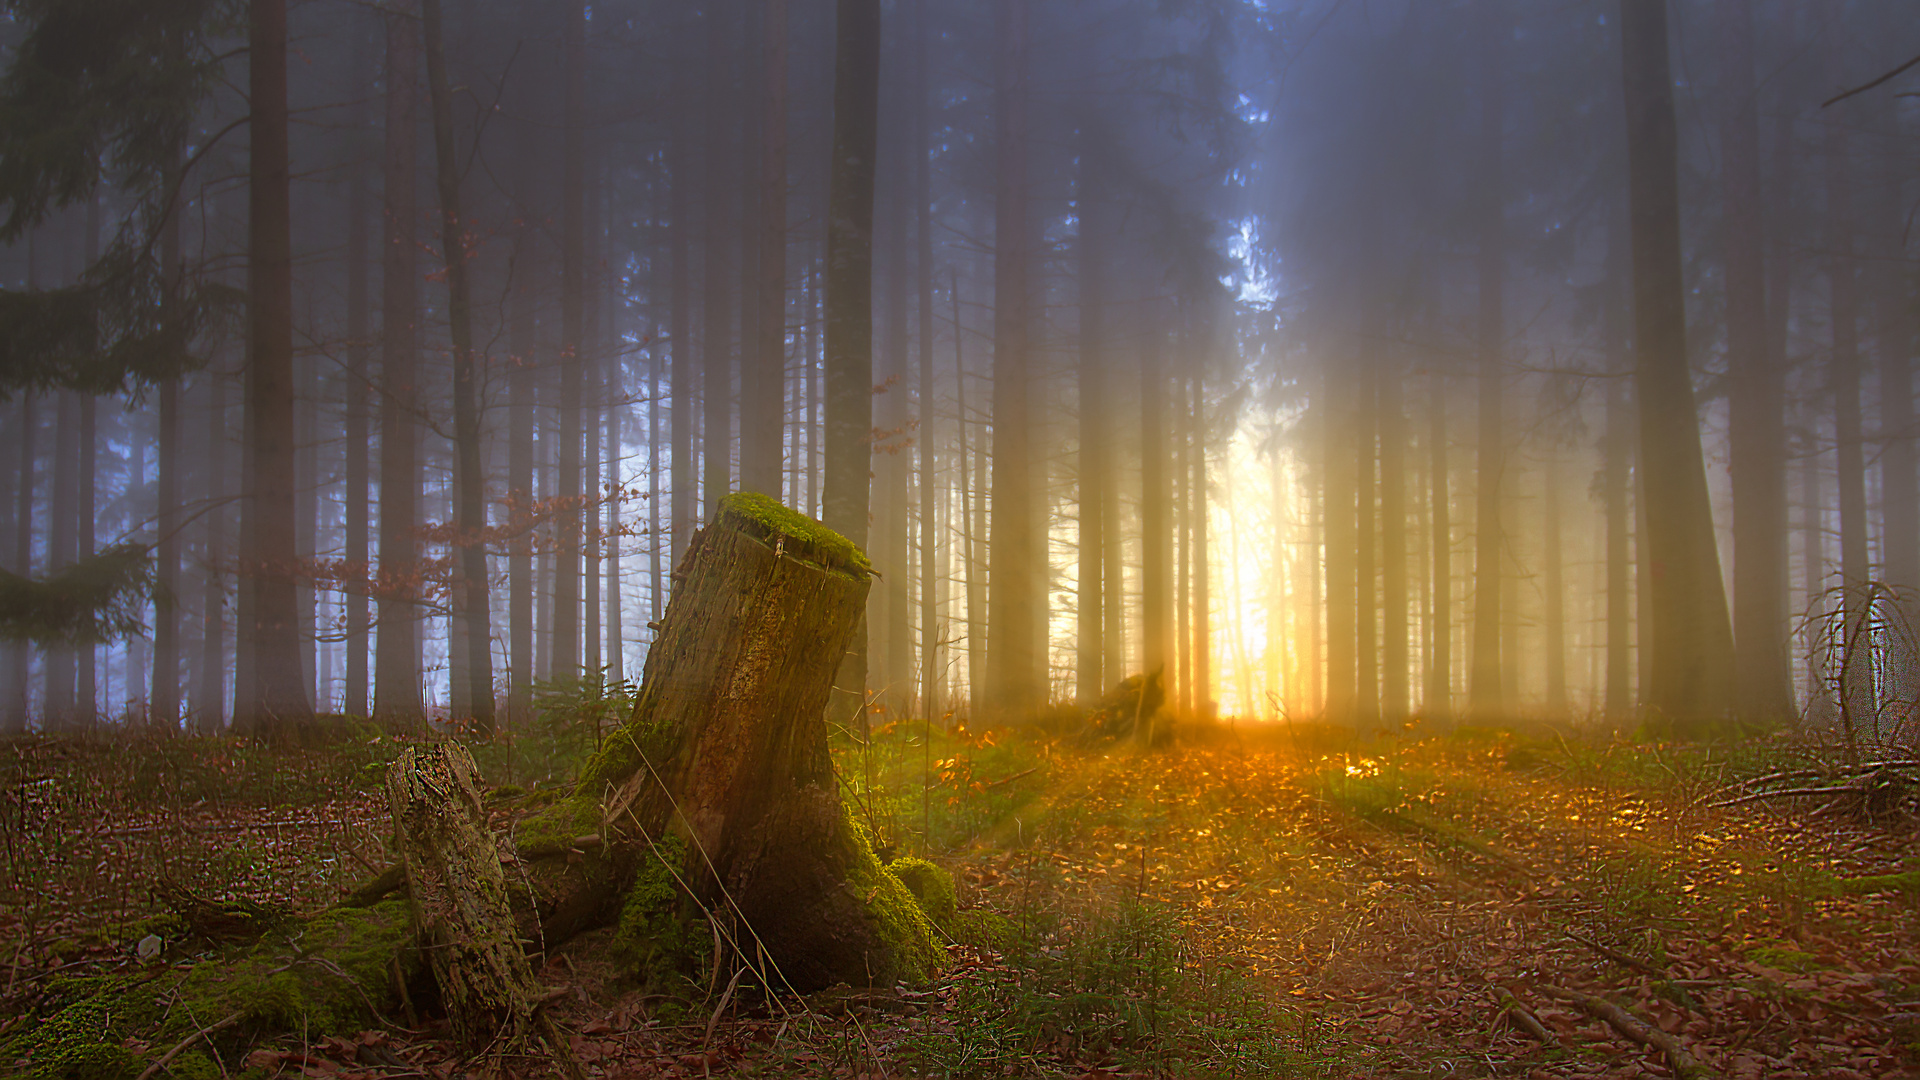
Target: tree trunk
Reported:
[(565, 625), (1014, 657), (211, 709), (1093, 450), (358, 537), (278, 708), (762, 395), (1758, 429), (1366, 677), (1899, 472), (1437, 699), (470, 513), (1553, 617), (1692, 671), (1156, 507), (163, 701), (1616, 451), (396, 677), (1486, 697), (1395, 693), (932, 680), (684, 517), (1202, 690), (723, 771), (716, 307), (849, 360)]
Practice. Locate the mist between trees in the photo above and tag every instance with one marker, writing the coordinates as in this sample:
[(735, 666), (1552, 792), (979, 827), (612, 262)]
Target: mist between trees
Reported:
[(1367, 362)]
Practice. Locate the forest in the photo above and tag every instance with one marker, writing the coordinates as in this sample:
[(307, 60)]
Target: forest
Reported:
[(884, 538)]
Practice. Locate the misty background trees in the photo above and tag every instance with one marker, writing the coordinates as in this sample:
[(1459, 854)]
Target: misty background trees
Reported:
[(1465, 360)]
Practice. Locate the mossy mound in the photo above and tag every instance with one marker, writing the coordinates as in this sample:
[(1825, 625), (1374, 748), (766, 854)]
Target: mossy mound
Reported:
[(821, 545), (658, 940), (930, 885), (335, 976), (897, 917)]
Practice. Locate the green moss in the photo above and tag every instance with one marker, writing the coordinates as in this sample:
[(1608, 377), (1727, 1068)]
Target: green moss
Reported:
[(830, 549), (1906, 882), (331, 997), (553, 830), (896, 915), (658, 940), (82, 1041), (931, 886)]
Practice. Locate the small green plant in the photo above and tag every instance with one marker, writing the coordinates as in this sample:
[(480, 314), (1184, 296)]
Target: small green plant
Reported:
[(570, 718)]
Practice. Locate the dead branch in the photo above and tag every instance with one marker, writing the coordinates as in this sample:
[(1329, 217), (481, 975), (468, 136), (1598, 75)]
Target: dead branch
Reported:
[(1685, 1065)]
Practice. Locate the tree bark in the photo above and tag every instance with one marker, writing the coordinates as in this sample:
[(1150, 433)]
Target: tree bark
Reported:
[(1692, 668), (932, 681), (762, 395), (716, 307), (849, 299), (1093, 451), (1437, 700), (1486, 697), (358, 536), (278, 708), (1014, 683), (1757, 392), (1395, 692), (396, 677), (470, 512)]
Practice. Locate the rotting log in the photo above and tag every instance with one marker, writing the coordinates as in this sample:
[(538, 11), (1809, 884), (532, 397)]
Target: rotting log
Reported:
[(1130, 710), (459, 898), (722, 779)]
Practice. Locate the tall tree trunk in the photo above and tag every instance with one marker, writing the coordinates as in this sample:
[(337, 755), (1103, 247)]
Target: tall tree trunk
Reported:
[(1843, 376), (306, 519), (470, 512), (279, 708), (716, 307), (1395, 693), (358, 538), (1339, 485), (970, 519), (1015, 686), (1758, 427), (1692, 672), (163, 700), (1156, 507), (685, 514), (1553, 617), (85, 693), (762, 394), (891, 661), (1616, 449), (932, 681), (19, 658), (210, 710), (396, 679), (62, 544), (849, 302), (565, 625), (1094, 451), (1203, 702), (1366, 679), (523, 345), (1485, 684), (1893, 319), (1437, 700)]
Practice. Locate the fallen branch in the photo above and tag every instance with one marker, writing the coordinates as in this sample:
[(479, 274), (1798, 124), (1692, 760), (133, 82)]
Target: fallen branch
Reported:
[(1787, 793), (1011, 779), (1685, 1065), (186, 1042), (1520, 1016)]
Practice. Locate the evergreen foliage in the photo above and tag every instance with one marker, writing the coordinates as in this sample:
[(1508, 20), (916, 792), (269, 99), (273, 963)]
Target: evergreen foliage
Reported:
[(94, 600)]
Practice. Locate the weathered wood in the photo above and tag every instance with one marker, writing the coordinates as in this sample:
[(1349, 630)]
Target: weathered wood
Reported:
[(460, 899), (727, 753)]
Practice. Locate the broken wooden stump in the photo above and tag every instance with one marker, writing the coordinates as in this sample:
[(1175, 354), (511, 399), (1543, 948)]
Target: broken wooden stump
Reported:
[(1130, 710), (720, 789), (459, 895)]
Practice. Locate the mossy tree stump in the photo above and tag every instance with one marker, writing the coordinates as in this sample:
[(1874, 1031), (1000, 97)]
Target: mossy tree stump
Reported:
[(726, 757)]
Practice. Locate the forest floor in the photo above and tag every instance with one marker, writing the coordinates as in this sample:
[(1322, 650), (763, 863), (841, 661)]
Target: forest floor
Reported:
[(1256, 903)]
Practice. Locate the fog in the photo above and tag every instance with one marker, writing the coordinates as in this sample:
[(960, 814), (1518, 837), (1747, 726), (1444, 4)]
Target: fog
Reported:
[(1377, 363)]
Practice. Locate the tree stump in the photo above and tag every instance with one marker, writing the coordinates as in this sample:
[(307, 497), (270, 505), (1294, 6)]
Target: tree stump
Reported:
[(723, 773), (459, 895)]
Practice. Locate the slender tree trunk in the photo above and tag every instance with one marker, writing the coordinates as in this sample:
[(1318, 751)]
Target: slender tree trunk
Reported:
[(969, 518), (1692, 672), (18, 656), (1485, 690), (210, 710), (1893, 319), (565, 624), (685, 514), (1616, 449), (523, 345), (890, 666), (849, 302), (62, 544), (279, 708), (470, 512), (1844, 383), (1395, 692), (1094, 450), (1156, 508), (86, 695), (1339, 497), (1437, 701), (762, 394), (163, 699), (1366, 698), (1781, 273), (1554, 616), (1203, 702), (1758, 428), (1821, 707), (932, 683), (396, 679), (1181, 694), (1015, 686), (716, 307), (306, 519), (358, 538)]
